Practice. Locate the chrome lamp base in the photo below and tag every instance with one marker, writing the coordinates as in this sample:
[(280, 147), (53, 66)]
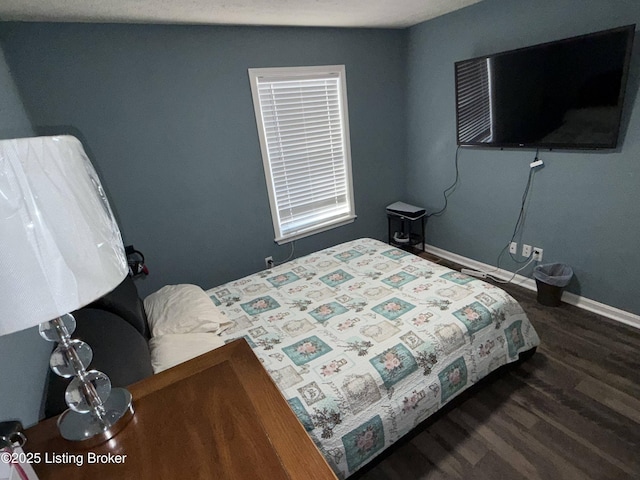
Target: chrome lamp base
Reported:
[(96, 411), (92, 430)]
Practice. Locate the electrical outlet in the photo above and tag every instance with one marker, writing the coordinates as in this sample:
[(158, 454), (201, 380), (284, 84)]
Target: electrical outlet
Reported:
[(537, 254), (268, 262), (526, 250), (513, 248)]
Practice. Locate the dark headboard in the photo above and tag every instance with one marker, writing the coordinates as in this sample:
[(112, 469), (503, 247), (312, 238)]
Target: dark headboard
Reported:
[(125, 302), (116, 329)]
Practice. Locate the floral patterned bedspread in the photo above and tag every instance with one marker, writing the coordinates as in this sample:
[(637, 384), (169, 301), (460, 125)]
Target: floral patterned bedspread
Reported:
[(366, 341)]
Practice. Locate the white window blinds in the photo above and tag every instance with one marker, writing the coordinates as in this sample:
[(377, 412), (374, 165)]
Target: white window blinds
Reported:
[(302, 120), (475, 115)]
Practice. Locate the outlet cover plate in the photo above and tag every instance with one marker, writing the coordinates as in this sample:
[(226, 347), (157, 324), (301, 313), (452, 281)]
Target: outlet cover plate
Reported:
[(513, 248), (526, 250)]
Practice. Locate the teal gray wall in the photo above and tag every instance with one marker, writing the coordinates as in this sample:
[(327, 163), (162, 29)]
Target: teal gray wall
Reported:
[(165, 113), (24, 355), (14, 121), (583, 208)]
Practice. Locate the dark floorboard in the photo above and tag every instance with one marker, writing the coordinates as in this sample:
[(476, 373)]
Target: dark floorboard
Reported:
[(572, 411)]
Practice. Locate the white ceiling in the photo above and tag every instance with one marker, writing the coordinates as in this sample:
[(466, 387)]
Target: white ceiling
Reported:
[(318, 13)]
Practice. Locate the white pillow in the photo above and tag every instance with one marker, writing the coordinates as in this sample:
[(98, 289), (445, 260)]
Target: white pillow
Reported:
[(171, 349), (182, 309)]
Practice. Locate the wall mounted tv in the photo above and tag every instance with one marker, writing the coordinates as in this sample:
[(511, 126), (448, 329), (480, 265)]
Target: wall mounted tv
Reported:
[(565, 94)]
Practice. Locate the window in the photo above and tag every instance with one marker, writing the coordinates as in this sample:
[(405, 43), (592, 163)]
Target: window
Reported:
[(303, 126)]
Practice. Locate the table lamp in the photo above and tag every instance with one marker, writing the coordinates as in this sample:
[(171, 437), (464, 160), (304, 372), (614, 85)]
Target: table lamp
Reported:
[(60, 249)]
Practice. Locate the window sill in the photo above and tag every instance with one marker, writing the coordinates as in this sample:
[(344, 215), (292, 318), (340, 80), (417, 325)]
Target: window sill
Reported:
[(317, 229)]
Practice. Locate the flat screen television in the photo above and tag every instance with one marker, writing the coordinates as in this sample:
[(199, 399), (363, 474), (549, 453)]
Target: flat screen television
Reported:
[(566, 94)]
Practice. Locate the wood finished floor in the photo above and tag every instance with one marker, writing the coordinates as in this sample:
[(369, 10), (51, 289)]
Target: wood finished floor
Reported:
[(572, 411)]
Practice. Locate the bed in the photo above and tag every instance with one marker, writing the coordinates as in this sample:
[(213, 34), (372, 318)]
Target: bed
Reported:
[(364, 340)]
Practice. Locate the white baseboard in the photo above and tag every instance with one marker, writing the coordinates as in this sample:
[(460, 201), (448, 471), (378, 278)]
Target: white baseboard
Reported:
[(608, 311)]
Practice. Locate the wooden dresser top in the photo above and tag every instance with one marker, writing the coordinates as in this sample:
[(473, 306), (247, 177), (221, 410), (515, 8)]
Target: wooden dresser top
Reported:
[(218, 416)]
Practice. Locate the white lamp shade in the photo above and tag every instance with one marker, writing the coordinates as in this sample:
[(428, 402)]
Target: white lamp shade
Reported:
[(60, 245)]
